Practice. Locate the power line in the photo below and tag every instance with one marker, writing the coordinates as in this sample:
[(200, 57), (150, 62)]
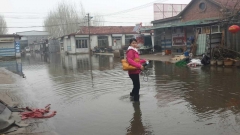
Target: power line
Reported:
[(119, 12), (112, 14), (43, 26), (38, 18), (23, 12), (133, 9), (68, 24)]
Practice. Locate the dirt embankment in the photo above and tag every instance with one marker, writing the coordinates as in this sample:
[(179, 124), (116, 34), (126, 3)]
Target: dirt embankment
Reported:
[(5, 78)]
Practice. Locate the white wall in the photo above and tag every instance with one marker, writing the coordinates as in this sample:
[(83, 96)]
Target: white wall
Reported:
[(110, 41), (73, 44), (94, 41), (65, 44), (123, 40), (82, 50), (24, 38), (69, 45)]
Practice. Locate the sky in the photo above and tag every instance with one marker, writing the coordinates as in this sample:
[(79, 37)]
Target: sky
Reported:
[(25, 13)]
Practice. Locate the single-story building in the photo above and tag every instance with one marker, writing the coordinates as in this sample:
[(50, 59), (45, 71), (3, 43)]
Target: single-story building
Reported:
[(200, 23), (32, 39), (100, 36), (10, 46)]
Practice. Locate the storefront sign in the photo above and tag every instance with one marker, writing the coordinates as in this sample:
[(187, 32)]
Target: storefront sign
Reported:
[(17, 47), (179, 39), (6, 40)]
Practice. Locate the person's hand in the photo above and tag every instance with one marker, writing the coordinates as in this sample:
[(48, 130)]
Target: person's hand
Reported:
[(142, 68), (147, 62)]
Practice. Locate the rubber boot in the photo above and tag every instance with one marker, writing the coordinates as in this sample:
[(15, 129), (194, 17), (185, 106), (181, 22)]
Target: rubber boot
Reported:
[(131, 94), (136, 97)]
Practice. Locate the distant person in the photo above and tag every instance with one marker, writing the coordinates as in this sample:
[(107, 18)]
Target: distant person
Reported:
[(134, 60)]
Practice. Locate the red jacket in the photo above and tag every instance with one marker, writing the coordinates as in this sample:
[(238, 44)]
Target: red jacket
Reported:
[(131, 56)]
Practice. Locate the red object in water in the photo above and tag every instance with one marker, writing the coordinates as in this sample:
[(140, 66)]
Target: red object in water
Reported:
[(234, 29), (37, 113)]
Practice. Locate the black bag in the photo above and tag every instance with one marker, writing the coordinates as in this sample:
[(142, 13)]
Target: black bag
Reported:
[(205, 60)]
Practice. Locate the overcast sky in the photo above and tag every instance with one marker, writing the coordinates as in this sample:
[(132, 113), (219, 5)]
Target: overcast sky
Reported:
[(24, 13)]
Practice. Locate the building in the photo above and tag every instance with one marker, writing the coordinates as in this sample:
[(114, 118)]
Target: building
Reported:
[(199, 22), (101, 37), (33, 39), (9, 46)]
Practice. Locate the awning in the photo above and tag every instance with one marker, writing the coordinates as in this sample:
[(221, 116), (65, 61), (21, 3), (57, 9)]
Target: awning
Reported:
[(190, 23)]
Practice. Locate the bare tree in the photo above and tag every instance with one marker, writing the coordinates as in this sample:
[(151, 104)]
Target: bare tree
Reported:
[(3, 25), (230, 11), (66, 19)]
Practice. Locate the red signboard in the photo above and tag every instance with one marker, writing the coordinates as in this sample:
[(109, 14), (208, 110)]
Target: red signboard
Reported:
[(179, 39)]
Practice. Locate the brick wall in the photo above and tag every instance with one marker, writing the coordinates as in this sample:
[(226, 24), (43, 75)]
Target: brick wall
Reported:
[(194, 13)]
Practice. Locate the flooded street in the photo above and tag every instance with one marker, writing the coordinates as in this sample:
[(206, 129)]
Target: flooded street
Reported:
[(93, 99)]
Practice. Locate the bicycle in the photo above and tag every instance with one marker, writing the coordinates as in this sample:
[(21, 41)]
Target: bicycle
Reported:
[(145, 72)]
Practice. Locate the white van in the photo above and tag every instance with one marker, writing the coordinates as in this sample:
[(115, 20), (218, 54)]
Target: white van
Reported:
[(27, 49)]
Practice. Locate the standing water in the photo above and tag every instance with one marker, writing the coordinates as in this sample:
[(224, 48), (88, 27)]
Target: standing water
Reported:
[(93, 98)]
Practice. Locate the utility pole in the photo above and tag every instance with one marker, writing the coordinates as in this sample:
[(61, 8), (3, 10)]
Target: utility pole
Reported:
[(89, 39), (89, 45)]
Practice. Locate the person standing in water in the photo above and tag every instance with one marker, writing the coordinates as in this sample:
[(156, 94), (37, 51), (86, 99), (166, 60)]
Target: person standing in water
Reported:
[(134, 60)]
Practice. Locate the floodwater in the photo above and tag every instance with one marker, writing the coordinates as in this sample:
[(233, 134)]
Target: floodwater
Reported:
[(91, 97)]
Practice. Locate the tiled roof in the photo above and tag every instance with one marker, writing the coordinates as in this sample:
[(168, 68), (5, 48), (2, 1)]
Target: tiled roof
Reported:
[(105, 30)]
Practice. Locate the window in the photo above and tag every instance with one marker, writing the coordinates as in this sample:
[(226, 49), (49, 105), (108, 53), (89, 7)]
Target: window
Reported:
[(202, 6), (215, 29), (103, 42), (117, 41), (81, 43), (127, 39)]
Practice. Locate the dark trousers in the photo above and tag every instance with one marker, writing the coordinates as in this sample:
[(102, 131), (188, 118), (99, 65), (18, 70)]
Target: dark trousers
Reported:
[(136, 84)]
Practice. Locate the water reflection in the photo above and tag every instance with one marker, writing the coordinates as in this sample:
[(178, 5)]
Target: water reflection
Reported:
[(36, 58), (210, 91), (136, 124), (175, 100), (82, 63)]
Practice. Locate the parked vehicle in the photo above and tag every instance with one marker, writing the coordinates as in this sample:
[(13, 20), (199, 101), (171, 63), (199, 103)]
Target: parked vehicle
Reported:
[(27, 49)]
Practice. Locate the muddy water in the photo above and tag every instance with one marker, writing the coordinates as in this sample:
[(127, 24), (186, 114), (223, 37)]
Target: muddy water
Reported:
[(174, 101)]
